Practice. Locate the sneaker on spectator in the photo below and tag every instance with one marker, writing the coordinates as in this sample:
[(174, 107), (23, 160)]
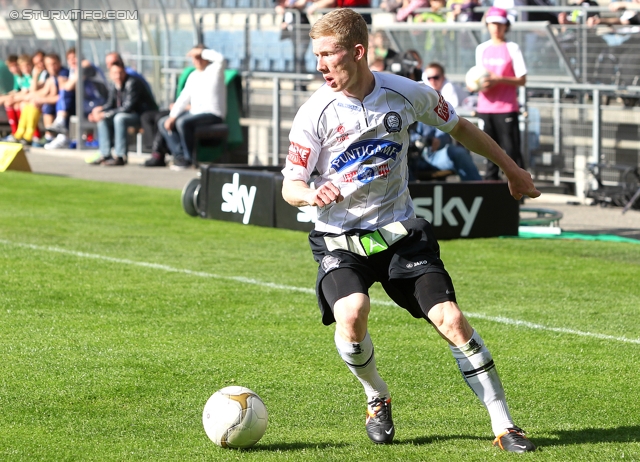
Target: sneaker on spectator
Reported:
[(58, 126), (180, 163), (156, 160), (99, 160), (59, 142)]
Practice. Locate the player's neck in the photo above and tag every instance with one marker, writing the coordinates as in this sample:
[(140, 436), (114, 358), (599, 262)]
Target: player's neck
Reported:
[(362, 85)]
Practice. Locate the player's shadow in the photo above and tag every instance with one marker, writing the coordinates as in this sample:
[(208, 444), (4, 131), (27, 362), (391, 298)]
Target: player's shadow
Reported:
[(423, 440), (275, 447), (626, 434)]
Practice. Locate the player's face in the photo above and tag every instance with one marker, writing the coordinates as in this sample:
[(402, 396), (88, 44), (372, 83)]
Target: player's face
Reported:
[(337, 65)]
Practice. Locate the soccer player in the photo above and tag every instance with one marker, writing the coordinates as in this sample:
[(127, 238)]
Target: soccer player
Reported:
[(353, 131)]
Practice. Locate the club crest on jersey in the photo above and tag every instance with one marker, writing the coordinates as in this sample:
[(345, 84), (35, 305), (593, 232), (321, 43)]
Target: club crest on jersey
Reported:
[(365, 150), (393, 122)]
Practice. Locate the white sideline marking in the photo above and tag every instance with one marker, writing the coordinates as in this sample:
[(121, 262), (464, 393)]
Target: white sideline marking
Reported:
[(271, 285)]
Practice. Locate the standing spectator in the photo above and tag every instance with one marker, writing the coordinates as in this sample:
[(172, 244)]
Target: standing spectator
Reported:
[(206, 94), (367, 231), (498, 106), (320, 4), (128, 99), (294, 26)]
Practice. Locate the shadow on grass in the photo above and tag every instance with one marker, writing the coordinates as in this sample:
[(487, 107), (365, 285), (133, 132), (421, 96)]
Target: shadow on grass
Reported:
[(591, 435), (280, 447), (433, 439)]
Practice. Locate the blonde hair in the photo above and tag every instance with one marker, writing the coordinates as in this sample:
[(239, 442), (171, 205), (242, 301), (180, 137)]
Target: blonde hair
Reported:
[(345, 25)]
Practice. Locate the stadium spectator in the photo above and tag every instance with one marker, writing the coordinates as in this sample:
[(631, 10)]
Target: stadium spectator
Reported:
[(366, 228), (437, 151), (95, 91), (320, 4), (206, 94), (152, 138), (408, 9), (466, 11), (295, 27), (128, 99), (498, 107), (434, 76), (437, 13), (630, 14), (19, 79), (6, 79), (42, 100), (114, 57)]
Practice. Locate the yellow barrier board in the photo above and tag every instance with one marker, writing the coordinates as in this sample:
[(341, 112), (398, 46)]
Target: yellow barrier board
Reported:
[(12, 157)]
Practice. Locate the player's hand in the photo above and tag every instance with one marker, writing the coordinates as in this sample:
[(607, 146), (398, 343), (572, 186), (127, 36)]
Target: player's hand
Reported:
[(521, 184), (324, 195)]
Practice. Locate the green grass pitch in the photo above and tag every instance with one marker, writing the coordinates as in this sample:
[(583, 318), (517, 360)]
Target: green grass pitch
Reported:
[(120, 315)]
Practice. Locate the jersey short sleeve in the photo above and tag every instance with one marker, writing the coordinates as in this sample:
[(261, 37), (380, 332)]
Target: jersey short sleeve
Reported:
[(304, 147), (519, 68), (433, 109)]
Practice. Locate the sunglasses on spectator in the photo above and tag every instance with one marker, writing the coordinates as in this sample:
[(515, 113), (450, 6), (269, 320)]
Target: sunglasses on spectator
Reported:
[(434, 77)]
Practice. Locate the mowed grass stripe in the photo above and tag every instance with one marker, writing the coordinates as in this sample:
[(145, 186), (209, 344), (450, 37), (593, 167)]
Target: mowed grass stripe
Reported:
[(271, 285)]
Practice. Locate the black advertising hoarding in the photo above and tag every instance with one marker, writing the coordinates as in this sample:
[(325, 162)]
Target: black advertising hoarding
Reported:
[(456, 210), (243, 196), (467, 209)]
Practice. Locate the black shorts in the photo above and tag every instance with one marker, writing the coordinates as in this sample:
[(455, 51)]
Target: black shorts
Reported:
[(400, 269)]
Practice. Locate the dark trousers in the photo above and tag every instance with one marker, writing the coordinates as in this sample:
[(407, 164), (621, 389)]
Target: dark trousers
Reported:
[(152, 139), (505, 130), (181, 140)]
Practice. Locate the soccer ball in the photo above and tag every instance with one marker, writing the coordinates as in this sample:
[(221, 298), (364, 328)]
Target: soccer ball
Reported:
[(475, 78), (234, 417)]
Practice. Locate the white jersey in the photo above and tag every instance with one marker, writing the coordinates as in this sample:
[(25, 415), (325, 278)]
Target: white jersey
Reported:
[(361, 147)]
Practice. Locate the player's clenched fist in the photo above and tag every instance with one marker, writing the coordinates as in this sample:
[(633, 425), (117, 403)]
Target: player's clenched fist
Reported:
[(324, 195)]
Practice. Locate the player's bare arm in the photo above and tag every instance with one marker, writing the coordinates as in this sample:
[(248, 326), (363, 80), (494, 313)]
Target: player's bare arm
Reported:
[(474, 139), (298, 193)]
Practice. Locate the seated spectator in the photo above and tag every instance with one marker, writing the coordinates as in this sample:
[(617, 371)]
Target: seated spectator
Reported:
[(152, 137), (434, 76), (437, 13), (436, 152), (408, 9), (321, 4), (128, 99), (630, 15), (115, 58), (433, 150), (206, 93), (572, 17), (95, 93), (20, 67), (466, 11), (6, 79), (42, 100)]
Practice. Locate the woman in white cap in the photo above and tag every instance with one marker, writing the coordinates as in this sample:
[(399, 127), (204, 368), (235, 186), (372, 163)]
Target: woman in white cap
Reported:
[(498, 98)]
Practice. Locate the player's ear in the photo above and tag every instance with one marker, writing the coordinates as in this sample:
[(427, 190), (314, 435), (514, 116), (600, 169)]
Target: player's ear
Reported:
[(360, 52)]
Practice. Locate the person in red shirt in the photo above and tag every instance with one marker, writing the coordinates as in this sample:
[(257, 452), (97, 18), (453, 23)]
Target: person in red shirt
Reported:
[(320, 4)]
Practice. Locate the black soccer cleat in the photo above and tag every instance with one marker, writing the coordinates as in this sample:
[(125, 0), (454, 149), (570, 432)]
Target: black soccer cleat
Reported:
[(513, 440), (379, 424)]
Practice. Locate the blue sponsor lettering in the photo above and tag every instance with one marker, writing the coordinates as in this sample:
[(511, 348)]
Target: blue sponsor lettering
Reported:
[(351, 107), (364, 150)]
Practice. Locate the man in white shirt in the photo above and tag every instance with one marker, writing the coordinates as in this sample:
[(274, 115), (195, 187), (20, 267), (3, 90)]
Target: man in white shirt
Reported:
[(354, 132), (435, 77), (203, 101)]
